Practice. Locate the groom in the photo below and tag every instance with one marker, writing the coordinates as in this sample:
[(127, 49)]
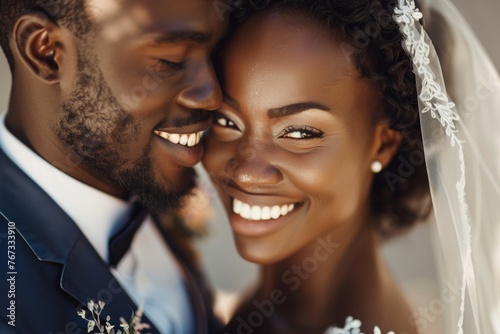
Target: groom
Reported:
[(109, 100)]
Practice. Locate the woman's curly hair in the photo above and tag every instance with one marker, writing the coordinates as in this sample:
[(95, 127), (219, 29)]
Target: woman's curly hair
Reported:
[(400, 193)]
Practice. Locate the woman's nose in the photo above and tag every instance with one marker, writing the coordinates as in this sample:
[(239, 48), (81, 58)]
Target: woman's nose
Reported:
[(253, 172)]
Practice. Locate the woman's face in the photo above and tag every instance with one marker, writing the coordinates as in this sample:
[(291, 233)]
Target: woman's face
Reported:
[(291, 148)]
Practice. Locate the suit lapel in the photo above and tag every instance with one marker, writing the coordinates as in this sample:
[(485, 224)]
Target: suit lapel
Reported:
[(86, 277), (54, 237)]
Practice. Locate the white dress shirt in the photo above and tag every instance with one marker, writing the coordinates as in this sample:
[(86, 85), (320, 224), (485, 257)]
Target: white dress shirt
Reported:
[(148, 272)]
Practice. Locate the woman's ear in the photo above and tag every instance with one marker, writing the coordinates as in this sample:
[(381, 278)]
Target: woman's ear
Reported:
[(386, 143), (36, 41)]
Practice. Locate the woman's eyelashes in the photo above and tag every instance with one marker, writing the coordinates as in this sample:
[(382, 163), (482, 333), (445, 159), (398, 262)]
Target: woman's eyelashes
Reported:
[(301, 132), (224, 121), (290, 132)]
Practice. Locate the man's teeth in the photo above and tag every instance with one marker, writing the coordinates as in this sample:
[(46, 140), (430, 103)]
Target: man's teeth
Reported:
[(188, 140), (255, 212)]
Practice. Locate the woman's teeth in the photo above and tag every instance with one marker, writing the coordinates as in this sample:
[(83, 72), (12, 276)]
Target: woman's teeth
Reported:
[(189, 140), (255, 212)]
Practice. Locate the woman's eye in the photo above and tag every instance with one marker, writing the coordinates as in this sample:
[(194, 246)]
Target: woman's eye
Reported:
[(304, 132), (224, 121), (225, 129)]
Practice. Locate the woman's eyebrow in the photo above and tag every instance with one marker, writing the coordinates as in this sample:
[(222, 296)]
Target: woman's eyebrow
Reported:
[(231, 102), (295, 108)]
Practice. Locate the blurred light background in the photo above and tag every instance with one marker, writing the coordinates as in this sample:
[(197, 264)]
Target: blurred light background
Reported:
[(229, 273)]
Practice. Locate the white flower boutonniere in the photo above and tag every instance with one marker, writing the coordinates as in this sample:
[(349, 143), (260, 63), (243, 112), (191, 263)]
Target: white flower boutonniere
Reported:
[(94, 325)]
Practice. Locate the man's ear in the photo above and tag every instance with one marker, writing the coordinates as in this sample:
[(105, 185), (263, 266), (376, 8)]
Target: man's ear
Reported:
[(36, 41), (386, 143)]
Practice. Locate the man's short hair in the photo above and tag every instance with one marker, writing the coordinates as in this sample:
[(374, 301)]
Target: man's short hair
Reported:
[(68, 13)]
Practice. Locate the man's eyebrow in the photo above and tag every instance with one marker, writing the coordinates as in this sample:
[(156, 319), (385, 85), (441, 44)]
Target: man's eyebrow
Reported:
[(294, 109), (177, 36)]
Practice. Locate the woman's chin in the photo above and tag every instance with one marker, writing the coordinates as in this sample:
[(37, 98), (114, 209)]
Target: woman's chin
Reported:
[(258, 251)]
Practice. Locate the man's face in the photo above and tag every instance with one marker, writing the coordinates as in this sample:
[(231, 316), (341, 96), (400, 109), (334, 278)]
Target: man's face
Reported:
[(143, 93)]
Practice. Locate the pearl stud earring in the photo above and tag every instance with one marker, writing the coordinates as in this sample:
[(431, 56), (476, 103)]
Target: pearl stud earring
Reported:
[(376, 167)]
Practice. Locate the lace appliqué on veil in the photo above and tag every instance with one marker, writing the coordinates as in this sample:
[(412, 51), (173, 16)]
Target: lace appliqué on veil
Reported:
[(435, 101), (352, 326), (432, 95), (432, 92)]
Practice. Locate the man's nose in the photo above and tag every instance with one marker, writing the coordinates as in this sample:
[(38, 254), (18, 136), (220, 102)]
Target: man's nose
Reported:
[(202, 90)]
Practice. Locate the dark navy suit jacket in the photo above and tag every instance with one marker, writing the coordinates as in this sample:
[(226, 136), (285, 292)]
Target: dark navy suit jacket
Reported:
[(56, 270)]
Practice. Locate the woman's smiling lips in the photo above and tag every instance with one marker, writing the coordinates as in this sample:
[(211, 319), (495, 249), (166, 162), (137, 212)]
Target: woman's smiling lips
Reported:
[(248, 218), (256, 213)]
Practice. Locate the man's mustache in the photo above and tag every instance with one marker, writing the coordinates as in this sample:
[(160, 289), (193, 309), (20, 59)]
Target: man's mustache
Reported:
[(194, 117)]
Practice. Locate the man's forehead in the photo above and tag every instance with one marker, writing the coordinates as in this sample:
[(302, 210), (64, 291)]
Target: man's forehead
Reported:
[(131, 17)]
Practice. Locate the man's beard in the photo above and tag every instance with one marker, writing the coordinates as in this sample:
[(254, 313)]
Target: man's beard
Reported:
[(95, 126)]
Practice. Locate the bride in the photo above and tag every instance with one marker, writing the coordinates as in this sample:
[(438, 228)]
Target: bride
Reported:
[(318, 156)]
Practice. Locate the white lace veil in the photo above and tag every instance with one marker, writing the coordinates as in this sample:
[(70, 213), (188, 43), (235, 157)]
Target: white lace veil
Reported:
[(462, 150)]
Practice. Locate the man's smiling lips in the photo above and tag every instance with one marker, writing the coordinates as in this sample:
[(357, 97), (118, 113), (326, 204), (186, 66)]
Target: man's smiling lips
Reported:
[(184, 139), (184, 143), (185, 135)]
